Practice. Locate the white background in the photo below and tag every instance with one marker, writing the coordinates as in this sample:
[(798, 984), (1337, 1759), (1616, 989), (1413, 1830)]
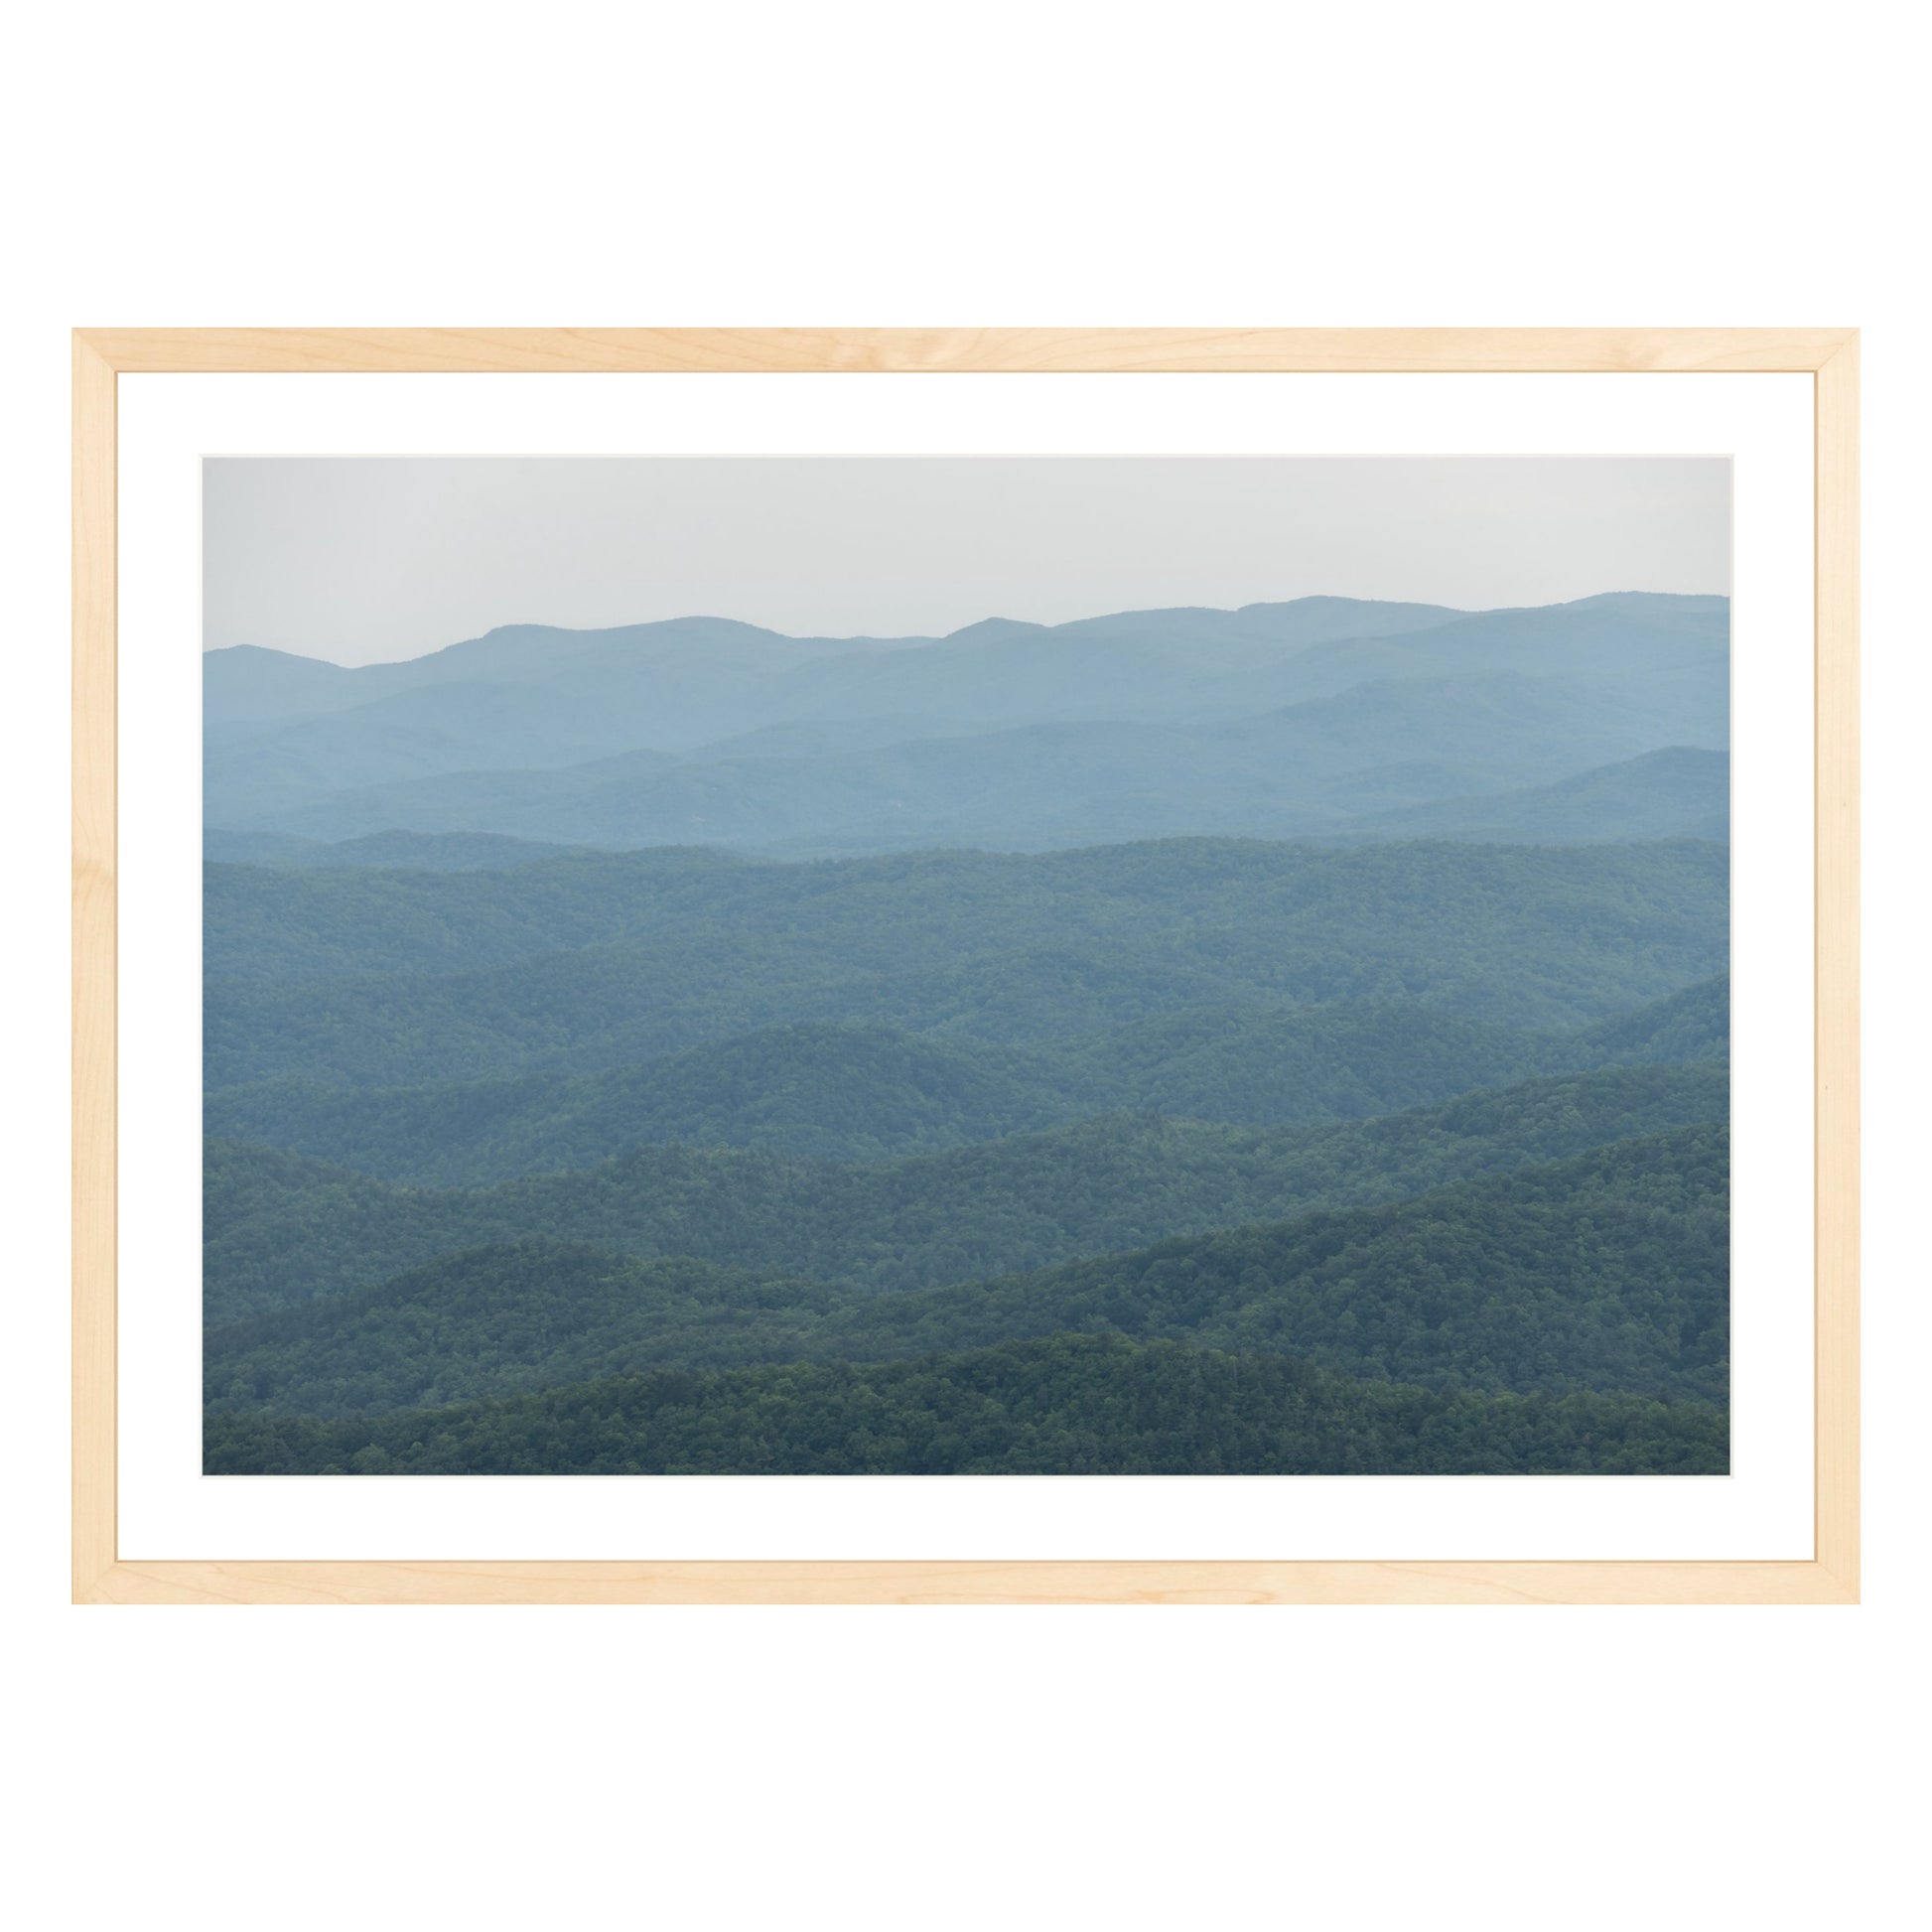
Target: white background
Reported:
[(1762, 1509), (1681, 162)]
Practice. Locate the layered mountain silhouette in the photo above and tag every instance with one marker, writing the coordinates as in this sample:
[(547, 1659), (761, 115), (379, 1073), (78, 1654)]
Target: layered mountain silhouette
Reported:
[(1324, 716), (1678, 792)]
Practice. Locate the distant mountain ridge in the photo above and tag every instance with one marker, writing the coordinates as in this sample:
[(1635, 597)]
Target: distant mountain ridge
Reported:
[(1143, 723), (1678, 792), (1293, 771), (529, 650)]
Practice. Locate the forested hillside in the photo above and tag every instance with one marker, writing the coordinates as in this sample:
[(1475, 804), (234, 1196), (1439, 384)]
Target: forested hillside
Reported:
[(1291, 1040), (1604, 1273), (1077, 1405), (859, 1093), (403, 979), (280, 1229)]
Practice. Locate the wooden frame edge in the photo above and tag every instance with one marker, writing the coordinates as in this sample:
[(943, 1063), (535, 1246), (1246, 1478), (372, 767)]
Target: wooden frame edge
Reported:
[(1132, 1581), (1836, 1068), (296, 352), (94, 969), (1829, 355)]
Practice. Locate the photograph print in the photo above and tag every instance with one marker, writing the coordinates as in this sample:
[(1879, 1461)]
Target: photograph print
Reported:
[(966, 966)]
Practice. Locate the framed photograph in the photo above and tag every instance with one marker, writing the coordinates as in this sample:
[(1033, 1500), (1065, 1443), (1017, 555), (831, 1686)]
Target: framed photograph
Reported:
[(1016, 965)]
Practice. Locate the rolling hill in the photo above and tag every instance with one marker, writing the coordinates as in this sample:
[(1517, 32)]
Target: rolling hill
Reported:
[(280, 1228), (379, 978), (397, 851), (826, 1091), (1608, 1273)]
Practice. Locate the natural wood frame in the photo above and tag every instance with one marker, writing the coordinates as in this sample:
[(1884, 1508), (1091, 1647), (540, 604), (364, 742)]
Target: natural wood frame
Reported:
[(1828, 355)]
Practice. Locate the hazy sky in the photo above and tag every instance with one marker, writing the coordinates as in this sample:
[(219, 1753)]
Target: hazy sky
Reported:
[(366, 558)]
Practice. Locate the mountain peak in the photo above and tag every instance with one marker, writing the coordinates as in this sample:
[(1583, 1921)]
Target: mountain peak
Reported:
[(1686, 601), (991, 630)]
